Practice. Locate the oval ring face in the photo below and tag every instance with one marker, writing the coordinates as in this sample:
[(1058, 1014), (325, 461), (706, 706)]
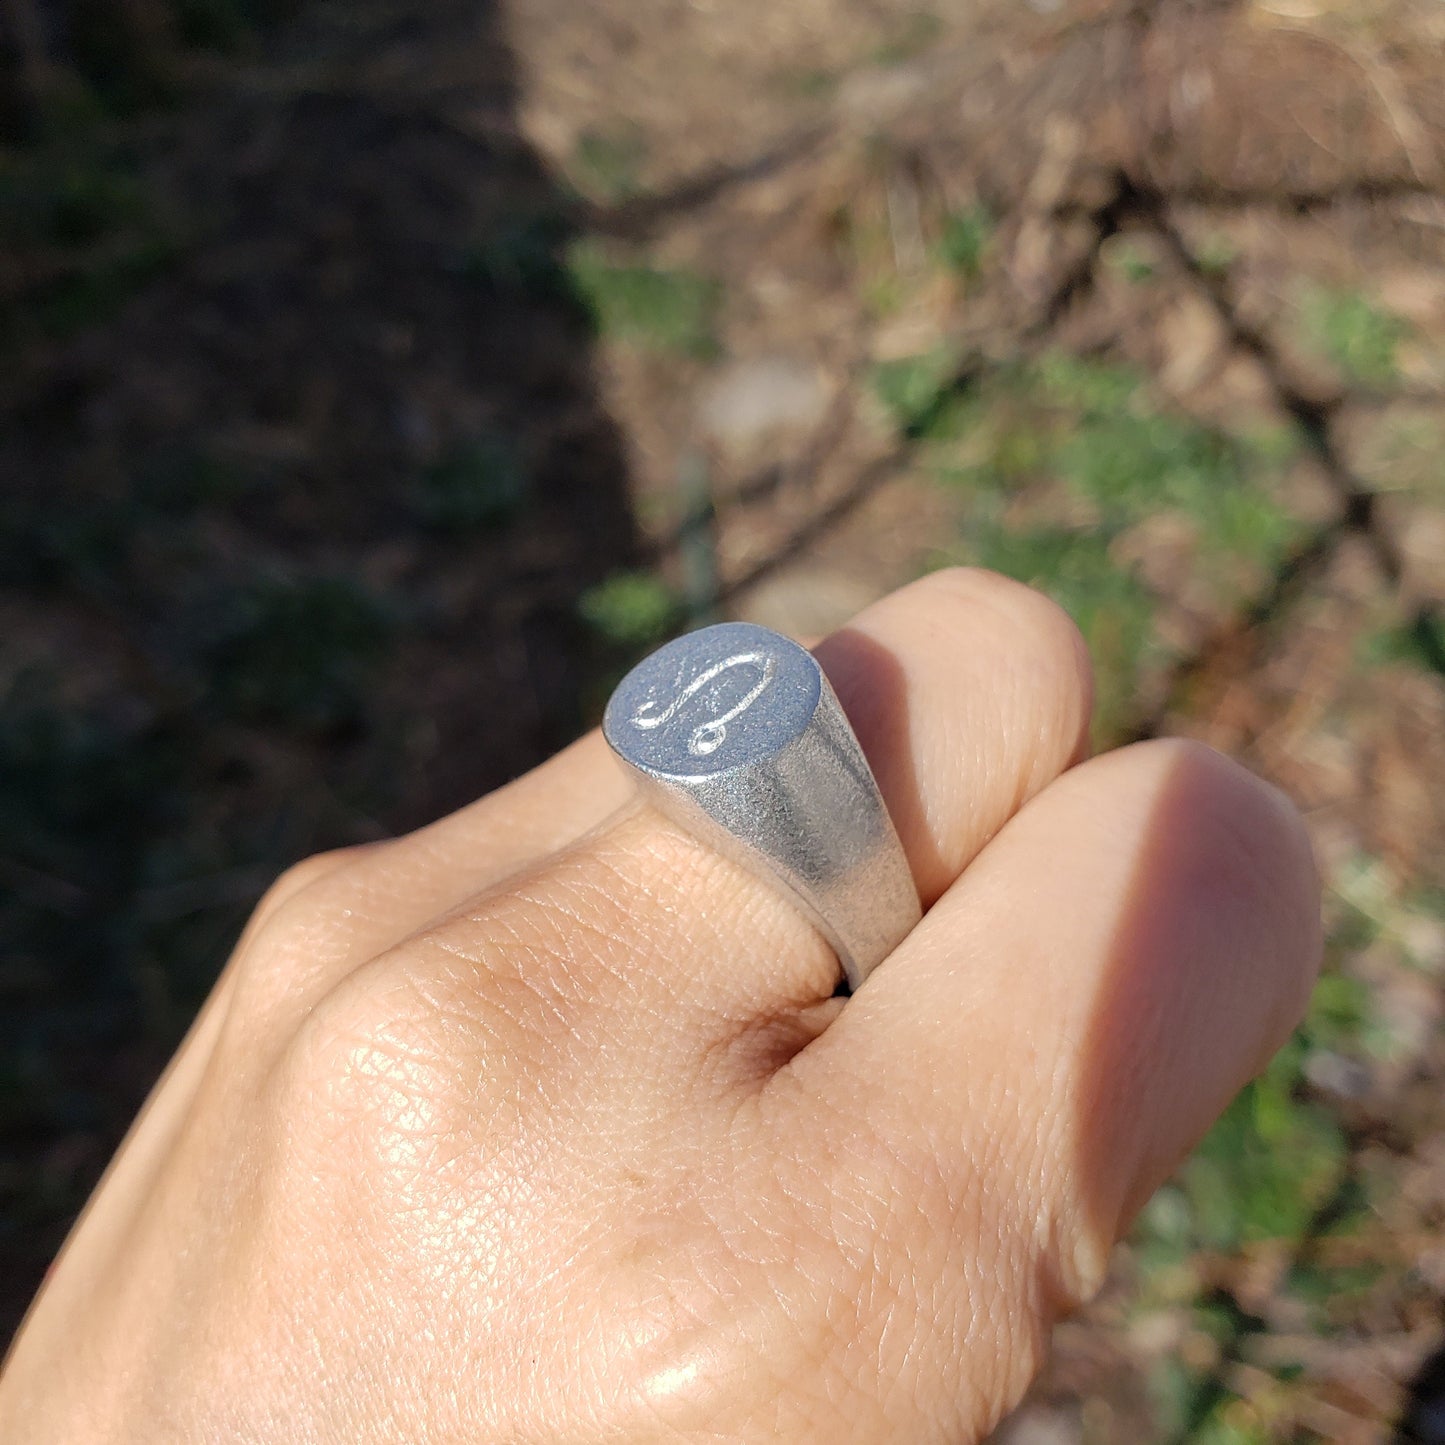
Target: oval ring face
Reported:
[(714, 700)]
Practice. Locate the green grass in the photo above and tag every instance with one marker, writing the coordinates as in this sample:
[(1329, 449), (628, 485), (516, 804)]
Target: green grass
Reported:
[(1058, 461), (479, 484), (965, 239), (89, 199), (523, 253), (1268, 1166), (607, 162), (910, 39), (915, 391), (808, 83), (1077, 384), (1274, 1173), (220, 25), (1217, 253), (630, 610), (115, 60), (1356, 336), (1131, 262), (300, 651), (92, 292), (670, 311), (1113, 609), (94, 228), (1418, 643), (1367, 906), (1276, 1156), (1133, 461)]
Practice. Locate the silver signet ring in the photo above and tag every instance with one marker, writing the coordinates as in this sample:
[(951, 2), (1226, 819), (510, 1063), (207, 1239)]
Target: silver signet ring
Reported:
[(734, 733)]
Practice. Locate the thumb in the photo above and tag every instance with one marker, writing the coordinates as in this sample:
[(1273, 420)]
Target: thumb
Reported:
[(1033, 1061)]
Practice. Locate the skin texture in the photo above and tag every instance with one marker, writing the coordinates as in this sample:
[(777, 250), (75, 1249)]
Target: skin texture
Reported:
[(541, 1124)]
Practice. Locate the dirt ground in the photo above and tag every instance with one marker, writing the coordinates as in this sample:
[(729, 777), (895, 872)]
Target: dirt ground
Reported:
[(367, 406)]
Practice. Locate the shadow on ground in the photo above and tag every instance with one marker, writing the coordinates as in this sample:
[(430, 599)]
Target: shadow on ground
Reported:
[(1423, 1419), (302, 487)]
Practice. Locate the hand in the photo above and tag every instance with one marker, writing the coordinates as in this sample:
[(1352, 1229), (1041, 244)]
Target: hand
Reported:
[(541, 1124)]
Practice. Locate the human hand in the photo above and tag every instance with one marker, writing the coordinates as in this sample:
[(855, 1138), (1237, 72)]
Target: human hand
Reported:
[(541, 1124)]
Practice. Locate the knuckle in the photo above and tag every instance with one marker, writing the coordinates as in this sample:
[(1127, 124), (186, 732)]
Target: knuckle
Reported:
[(299, 878), (370, 1081), (294, 931)]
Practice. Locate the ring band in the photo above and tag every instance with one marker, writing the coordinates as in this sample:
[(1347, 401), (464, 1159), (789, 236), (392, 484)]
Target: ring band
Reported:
[(734, 733)]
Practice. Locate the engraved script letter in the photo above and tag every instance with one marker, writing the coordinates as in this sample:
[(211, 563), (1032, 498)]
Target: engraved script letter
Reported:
[(708, 736)]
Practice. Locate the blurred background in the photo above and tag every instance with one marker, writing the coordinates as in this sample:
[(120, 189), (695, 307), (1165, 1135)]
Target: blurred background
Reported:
[(378, 380)]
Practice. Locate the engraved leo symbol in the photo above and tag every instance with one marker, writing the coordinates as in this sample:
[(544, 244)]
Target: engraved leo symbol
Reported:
[(708, 737)]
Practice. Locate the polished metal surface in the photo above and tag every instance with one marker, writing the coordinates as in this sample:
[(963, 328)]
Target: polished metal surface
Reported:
[(734, 733)]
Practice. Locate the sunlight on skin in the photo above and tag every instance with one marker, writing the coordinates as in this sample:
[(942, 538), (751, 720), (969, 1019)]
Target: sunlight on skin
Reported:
[(552, 1130)]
